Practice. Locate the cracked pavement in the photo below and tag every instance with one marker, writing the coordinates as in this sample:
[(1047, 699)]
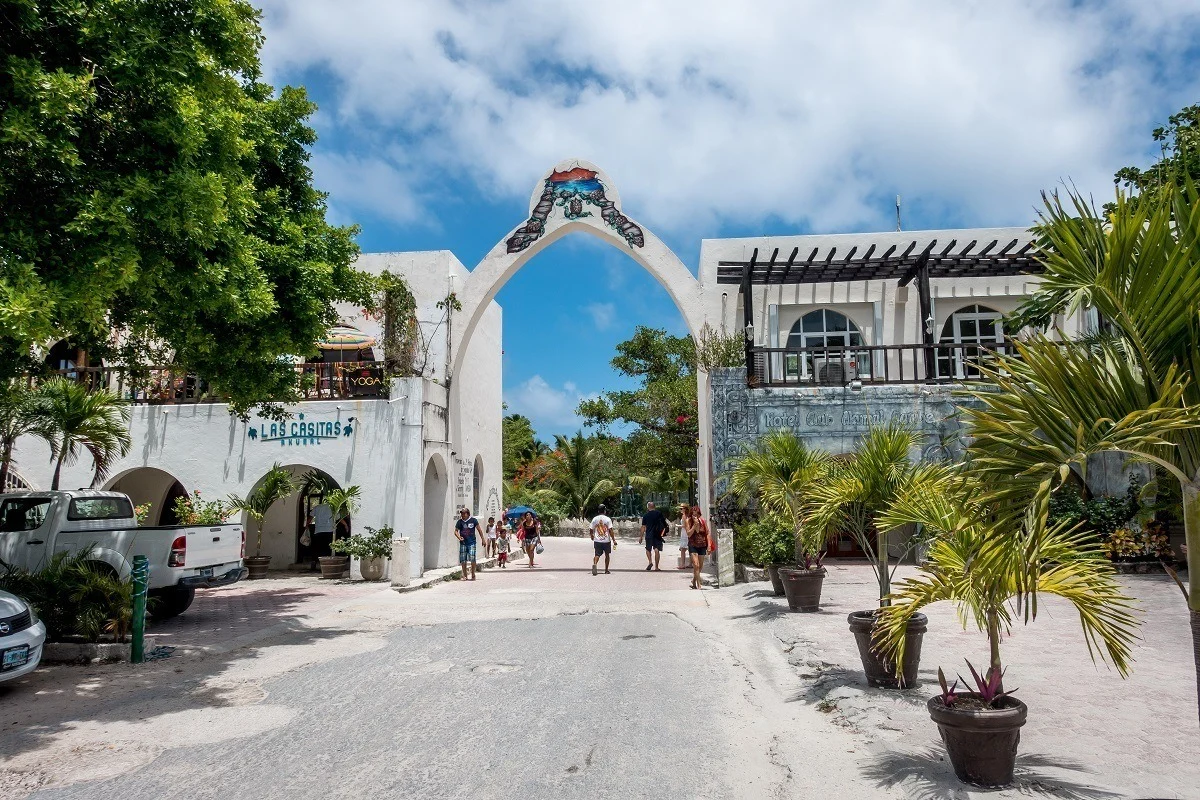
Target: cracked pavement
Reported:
[(543, 683)]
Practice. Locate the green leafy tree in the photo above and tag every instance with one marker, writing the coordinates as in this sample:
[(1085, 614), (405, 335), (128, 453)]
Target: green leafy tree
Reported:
[(1138, 391), (662, 410), (520, 443), (153, 184), (575, 471), (1179, 141), (16, 420), (70, 417)]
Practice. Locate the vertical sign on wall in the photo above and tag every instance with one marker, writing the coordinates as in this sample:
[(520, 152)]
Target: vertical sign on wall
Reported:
[(463, 472)]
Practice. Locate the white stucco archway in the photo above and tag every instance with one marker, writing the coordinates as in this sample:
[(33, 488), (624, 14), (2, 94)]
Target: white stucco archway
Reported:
[(434, 525), (574, 197)]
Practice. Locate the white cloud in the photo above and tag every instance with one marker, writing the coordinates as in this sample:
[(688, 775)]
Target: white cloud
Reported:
[(551, 409), (811, 112), (603, 315)]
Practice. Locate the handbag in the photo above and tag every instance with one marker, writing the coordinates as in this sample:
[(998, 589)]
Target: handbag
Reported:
[(539, 549)]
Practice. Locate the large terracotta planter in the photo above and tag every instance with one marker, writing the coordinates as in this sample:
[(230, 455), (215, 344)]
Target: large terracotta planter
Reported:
[(256, 566), (881, 671), (982, 744), (372, 568), (802, 587), (334, 566), (776, 581)]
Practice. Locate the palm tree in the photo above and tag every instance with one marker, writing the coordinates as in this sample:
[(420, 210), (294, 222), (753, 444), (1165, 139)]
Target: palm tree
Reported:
[(69, 416), (575, 471), (342, 503), (1135, 390), (780, 472), (988, 568), (16, 420), (274, 486), (862, 486)]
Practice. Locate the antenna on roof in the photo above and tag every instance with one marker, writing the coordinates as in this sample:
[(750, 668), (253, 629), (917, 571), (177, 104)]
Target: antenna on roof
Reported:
[(898, 213)]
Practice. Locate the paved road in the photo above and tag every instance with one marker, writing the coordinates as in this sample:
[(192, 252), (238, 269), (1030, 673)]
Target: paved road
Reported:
[(527, 683)]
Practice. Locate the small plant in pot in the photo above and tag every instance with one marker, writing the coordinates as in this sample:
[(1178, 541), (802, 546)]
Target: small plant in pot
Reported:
[(778, 472), (773, 544), (992, 559), (372, 550), (859, 487), (275, 485)]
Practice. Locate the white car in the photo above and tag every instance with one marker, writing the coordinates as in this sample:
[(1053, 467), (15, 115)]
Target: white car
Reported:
[(22, 635)]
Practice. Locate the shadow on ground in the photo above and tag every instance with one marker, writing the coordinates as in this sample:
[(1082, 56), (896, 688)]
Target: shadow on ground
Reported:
[(927, 775)]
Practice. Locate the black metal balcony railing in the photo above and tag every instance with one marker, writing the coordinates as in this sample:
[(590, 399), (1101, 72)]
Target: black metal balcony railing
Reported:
[(947, 362), (173, 385)]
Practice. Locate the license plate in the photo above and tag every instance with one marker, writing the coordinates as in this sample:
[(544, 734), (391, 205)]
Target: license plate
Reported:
[(15, 657), (207, 572)]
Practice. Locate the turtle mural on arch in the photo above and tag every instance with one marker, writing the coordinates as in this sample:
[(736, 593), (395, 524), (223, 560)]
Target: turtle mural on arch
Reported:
[(573, 190)]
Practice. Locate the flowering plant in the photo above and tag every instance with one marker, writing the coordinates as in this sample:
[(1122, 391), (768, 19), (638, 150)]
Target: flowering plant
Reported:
[(1134, 541), (142, 513), (195, 511)]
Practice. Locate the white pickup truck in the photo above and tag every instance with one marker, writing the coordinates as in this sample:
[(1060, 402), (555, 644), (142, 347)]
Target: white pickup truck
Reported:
[(36, 525)]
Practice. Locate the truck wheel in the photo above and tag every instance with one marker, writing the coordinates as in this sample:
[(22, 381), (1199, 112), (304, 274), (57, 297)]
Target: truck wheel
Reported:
[(171, 602)]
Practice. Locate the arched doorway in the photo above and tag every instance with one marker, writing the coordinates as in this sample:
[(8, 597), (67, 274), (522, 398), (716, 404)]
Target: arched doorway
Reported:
[(286, 524), (437, 484), (157, 488), (821, 328), (477, 486)]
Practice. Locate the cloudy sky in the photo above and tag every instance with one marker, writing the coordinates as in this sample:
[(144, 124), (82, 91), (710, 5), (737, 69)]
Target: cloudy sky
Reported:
[(713, 119)]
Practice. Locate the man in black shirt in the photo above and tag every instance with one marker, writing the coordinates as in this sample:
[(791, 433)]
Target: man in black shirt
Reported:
[(654, 528)]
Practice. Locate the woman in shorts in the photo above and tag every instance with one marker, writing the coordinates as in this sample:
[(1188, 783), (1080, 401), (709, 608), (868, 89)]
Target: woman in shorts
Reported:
[(530, 528), (685, 522), (697, 544)]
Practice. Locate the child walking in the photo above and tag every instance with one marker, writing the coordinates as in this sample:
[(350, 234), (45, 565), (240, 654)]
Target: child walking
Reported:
[(502, 545)]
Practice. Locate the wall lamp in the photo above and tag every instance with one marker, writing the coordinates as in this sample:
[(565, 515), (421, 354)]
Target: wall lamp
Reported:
[(929, 323)]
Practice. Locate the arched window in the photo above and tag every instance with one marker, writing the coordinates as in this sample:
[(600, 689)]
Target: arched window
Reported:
[(477, 485), (979, 329), (826, 328)]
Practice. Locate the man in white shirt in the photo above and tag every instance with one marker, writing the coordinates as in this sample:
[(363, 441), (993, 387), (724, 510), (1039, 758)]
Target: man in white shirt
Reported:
[(602, 539)]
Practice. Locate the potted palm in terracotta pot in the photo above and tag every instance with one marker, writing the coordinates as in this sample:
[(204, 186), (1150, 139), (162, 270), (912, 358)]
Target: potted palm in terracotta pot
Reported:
[(858, 488), (778, 472), (275, 485), (992, 558), (342, 503)]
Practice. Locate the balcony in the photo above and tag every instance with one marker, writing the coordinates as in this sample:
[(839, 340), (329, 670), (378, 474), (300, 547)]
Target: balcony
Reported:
[(172, 385), (863, 365)]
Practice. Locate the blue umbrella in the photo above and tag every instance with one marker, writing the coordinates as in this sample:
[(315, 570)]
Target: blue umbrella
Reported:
[(519, 511)]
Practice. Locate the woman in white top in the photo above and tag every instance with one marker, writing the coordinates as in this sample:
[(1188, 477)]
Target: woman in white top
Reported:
[(685, 528)]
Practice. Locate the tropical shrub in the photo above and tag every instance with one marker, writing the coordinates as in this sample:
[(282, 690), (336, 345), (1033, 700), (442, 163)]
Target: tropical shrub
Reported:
[(376, 544), (194, 510), (74, 596)]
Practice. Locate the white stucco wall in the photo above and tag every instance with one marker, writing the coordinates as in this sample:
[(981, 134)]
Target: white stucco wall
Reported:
[(206, 448)]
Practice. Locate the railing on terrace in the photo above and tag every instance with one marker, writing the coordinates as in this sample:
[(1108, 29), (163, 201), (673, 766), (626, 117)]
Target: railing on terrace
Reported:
[(173, 385), (947, 362)]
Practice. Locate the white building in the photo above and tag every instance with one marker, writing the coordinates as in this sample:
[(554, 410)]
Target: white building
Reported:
[(873, 324)]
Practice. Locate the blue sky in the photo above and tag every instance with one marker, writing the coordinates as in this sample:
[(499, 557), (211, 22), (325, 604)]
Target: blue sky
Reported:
[(437, 120)]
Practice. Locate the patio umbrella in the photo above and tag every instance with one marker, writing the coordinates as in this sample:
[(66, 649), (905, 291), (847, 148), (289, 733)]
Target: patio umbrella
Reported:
[(343, 337), (519, 511)]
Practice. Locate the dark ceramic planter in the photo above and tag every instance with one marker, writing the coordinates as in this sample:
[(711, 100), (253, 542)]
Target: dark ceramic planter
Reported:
[(776, 581), (372, 568), (982, 744), (881, 671), (256, 567), (802, 587), (334, 566)]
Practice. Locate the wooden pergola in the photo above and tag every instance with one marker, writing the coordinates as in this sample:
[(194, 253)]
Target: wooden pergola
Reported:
[(919, 256)]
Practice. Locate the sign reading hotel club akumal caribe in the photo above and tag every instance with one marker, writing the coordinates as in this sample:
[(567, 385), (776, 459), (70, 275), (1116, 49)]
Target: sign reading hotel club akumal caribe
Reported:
[(300, 431)]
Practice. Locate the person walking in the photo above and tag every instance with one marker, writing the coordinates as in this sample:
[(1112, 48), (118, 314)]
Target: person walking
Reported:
[(492, 532), (502, 546), (685, 528), (531, 531), (465, 530), (602, 539), (654, 531), (697, 544)]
